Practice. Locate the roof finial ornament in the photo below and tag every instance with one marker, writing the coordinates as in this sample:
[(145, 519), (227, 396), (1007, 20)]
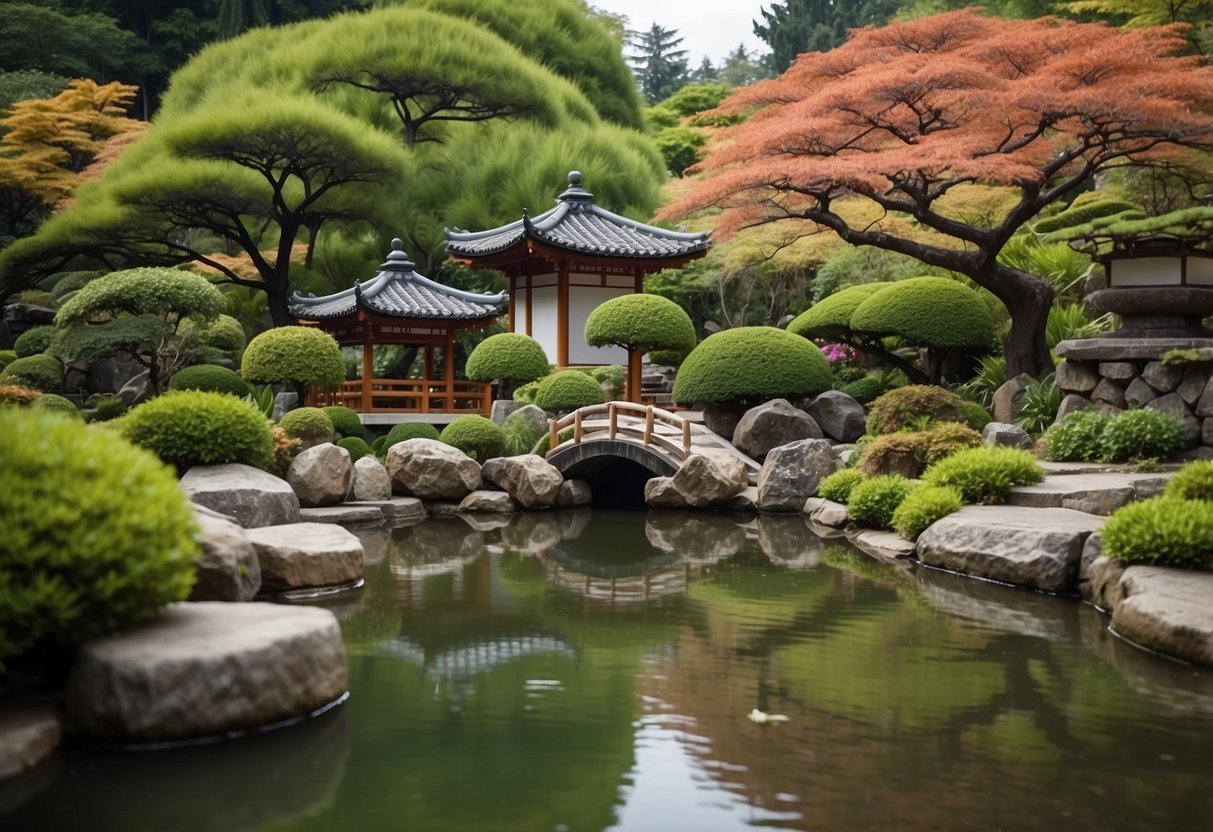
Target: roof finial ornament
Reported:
[(575, 193), (575, 178), (397, 259)]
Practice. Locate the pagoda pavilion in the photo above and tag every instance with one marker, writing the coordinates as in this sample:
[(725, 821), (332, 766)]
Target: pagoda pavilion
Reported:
[(564, 263), (400, 306)]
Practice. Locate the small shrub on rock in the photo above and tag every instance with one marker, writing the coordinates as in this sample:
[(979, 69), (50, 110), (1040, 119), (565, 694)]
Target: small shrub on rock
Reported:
[(874, 500), (311, 424), (356, 446), (478, 437), (97, 537), (923, 507), (925, 446), (56, 404), (908, 406), (750, 365), (194, 427), (1141, 434), (408, 430), (345, 421), (839, 485), (865, 390), (34, 341), (985, 474), (210, 377), (1164, 531), (1193, 482), (296, 355), (567, 390), (1075, 438), (41, 372)]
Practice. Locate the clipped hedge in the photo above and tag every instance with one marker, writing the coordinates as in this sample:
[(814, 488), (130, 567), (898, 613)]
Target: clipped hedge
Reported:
[(1162, 530), (507, 356), (839, 485), (567, 390), (874, 500), (985, 474), (923, 507), (297, 355), (345, 421), (832, 314), (195, 427), (912, 405), (97, 537), (40, 372), (33, 341), (1193, 482), (976, 416), (56, 404), (356, 446), (933, 311), (210, 377), (478, 437), (643, 322), (409, 430), (307, 423), (750, 365)]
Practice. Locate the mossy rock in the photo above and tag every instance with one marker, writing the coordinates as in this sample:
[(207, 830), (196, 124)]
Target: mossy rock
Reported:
[(308, 423), (34, 341), (750, 365)]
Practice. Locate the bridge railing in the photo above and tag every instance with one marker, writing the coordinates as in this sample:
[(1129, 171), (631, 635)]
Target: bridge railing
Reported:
[(647, 424)]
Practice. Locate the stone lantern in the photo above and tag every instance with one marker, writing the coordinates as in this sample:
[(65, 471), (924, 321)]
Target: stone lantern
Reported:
[(1160, 288)]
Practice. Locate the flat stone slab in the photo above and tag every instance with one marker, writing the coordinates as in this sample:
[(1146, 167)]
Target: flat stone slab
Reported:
[(1032, 547), (1093, 493), (344, 515), (826, 512), (1126, 349), (397, 509), (1168, 610), (301, 555), (207, 669), (882, 544), (250, 496), (28, 736)]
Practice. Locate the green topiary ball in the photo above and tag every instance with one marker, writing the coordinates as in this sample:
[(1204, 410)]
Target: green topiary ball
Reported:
[(34, 341), (923, 507), (832, 315), (667, 358), (97, 537), (345, 421), (56, 404), (409, 430), (839, 485), (985, 474), (1193, 482), (933, 311), (357, 447), (873, 501), (750, 365), (913, 405), (210, 377), (644, 322), (864, 390), (476, 436), (298, 355), (225, 334), (308, 423), (526, 393), (40, 372), (193, 427), (567, 390), (507, 356), (1141, 434), (1162, 530)]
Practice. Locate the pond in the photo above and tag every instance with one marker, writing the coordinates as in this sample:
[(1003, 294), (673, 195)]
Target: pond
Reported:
[(595, 671)]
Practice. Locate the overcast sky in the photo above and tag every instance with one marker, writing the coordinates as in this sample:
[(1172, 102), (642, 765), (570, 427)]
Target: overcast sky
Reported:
[(710, 27)]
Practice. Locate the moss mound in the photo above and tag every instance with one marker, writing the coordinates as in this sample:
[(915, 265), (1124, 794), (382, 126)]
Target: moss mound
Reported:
[(310, 423), (914, 404), (750, 365), (476, 436), (508, 356), (409, 430), (56, 404), (1163, 530), (345, 421), (923, 507), (33, 341), (210, 377), (874, 500), (194, 427), (933, 311), (40, 372), (985, 474), (356, 446), (567, 390)]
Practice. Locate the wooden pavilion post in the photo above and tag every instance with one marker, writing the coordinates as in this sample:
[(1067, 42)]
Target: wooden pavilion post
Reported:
[(562, 316), (368, 368), (448, 372)]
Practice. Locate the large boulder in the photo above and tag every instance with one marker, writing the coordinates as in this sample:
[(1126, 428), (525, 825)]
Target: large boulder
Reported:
[(428, 469), (1032, 547), (305, 555), (722, 419), (574, 493), (710, 478), (1167, 610), (249, 495), (660, 493), (841, 417), (791, 473), (490, 502), (772, 424), (203, 670), (502, 408), (533, 415), (530, 480), (321, 475), (228, 568), (371, 481)]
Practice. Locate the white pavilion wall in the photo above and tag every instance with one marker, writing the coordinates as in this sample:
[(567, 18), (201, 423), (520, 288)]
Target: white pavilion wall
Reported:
[(543, 318), (582, 301)]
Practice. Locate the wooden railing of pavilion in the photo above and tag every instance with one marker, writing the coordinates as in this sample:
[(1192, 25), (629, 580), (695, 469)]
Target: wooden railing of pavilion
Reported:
[(408, 395)]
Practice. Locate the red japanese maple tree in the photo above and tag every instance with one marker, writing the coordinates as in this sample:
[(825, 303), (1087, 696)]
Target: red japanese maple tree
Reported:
[(903, 114)]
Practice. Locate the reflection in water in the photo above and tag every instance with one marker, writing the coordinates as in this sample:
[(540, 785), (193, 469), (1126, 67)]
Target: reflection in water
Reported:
[(590, 671)]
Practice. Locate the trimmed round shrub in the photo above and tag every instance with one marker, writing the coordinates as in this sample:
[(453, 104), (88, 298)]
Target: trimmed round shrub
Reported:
[(874, 500), (643, 322), (194, 427), (933, 311), (345, 421), (985, 474), (666, 358), (56, 404), (210, 377), (526, 392), (357, 447), (1075, 438), (750, 365), (379, 446), (97, 537), (308, 423), (225, 334), (832, 314), (1193, 482), (297, 355), (34, 341), (839, 485), (913, 404), (7, 357), (41, 372), (107, 407), (1162, 530), (14, 394), (1141, 434), (924, 506), (974, 414), (567, 390), (507, 356), (476, 436), (865, 390), (409, 430)]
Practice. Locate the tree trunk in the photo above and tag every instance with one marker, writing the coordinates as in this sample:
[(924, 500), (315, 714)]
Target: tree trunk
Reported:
[(1028, 299), (280, 314)]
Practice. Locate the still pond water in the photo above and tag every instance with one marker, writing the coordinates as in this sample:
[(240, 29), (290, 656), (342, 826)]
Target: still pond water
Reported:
[(594, 671)]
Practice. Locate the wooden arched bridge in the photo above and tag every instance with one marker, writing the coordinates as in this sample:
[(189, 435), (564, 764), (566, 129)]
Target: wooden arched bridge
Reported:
[(619, 445)]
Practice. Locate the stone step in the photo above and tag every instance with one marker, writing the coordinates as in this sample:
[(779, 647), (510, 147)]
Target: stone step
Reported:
[(1094, 493), (306, 555)]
